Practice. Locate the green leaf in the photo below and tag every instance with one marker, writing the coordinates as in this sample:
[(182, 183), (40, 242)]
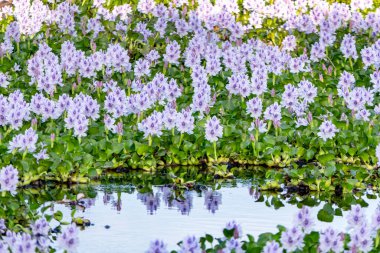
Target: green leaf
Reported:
[(323, 159), (323, 215), (310, 154), (141, 149), (58, 215), (327, 213), (330, 169), (270, 139), (209, 238)]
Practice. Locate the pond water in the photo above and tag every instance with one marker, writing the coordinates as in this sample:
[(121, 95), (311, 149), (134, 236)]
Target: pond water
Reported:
[(124, 220)]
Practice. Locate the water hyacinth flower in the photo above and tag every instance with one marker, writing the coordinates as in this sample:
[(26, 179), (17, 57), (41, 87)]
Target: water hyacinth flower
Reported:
[(356, 217), (375, 224), (3, 227), (152, 125), (190, 244), (8, 178), (258, 125), (330, 240), (272, 247), (40, 227), (157, 246), (173, 53), (20, 242), (292, 239), (233, 245), (255, 107), (361, 240), (237, 230), (214, 131), (327, 130), (304, 220), (41, 155), (289, 43), (273, 112), (348, 47), (185, 121), (4, 80), (68, 240)]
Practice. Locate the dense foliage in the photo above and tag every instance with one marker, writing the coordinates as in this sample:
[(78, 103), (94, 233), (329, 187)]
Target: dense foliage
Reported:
[(89, 87), (142, 85), (299, 238), (173, 189)]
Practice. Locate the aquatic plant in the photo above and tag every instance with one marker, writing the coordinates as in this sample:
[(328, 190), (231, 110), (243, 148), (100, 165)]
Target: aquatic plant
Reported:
[(93, 85), (299, 237)]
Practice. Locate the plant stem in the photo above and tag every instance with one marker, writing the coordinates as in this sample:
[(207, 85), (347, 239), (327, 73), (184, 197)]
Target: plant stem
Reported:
[(351, 65), (150, 140), (180, 140), (216, 157), (24, 154)]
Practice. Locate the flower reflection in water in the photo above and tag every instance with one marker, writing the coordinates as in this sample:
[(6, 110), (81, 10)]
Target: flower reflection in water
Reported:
[(117, 203), (182, 200), (212, 200), (254, 192), (107, 198), (87, 202), (150, 200), (183, 203)]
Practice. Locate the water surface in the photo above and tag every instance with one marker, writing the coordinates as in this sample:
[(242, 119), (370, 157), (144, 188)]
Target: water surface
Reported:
[(125, 220)]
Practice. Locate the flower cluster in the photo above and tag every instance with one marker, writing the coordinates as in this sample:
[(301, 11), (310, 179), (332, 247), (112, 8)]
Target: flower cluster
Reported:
[(361, 236), (8, 178), (327, 130), (213, 129), (38, 240), (68, 239)]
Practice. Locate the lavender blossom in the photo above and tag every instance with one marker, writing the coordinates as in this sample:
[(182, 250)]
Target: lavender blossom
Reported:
[(4, 82), (330, 240), (292, 239), (173, 53), (356, 217), (304, 220), (375, 224), (238, 231), (233, 245), (214, 130), (327, 130), (40, 227), (41, 155), (185, 122), (190, 244), (68, 239), (272, 247), (152, 125), (157, 246), (8, 178), (255, 107), (348, 47)]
